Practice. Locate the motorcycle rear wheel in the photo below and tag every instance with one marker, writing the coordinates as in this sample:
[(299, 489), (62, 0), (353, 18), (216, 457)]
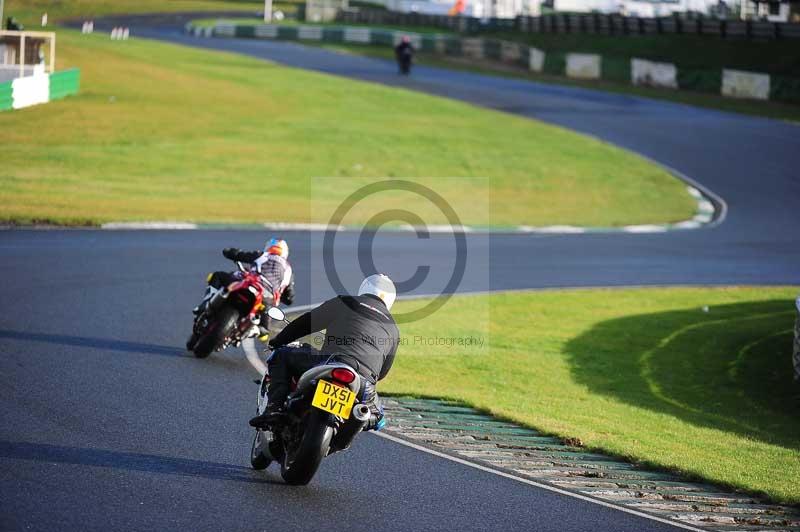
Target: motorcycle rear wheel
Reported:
[(222, 326), (300, 466)]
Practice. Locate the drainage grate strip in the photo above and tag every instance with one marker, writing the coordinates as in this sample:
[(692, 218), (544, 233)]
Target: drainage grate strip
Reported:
[(469, 434)]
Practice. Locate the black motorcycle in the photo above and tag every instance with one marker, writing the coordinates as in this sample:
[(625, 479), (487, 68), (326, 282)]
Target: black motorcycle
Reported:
[(322, 416), (404, 61)]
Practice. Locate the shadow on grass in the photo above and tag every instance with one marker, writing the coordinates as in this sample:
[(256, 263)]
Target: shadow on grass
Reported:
[(150, 463), (94, 343), (728, 369)]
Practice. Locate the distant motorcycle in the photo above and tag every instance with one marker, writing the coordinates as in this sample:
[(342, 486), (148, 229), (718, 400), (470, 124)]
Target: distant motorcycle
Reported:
[(404, 61), (232, 314), (322, 417)]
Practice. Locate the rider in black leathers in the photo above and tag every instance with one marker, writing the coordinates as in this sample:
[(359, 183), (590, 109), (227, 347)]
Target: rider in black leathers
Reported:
[(360, 332), (404, 52)]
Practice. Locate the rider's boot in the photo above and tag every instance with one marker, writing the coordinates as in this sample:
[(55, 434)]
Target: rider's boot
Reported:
[(272, 414)]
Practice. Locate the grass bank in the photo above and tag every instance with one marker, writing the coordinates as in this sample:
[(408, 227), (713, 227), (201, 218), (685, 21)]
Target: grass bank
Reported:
[(646, 374), (168, 132), (29, 12)]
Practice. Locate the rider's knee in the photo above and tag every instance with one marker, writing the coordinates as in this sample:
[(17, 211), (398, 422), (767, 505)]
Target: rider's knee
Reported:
[(278, 356)]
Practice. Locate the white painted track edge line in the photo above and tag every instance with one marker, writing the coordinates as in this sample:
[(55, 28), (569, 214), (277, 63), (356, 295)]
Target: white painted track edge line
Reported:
[(533, 483), (720, 206), (251, 352)]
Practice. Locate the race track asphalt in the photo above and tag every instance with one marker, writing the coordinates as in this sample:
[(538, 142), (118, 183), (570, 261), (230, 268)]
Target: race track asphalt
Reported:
[(106, 423)]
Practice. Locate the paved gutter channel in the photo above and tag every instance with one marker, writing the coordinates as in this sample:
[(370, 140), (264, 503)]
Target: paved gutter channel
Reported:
[(472, 435)]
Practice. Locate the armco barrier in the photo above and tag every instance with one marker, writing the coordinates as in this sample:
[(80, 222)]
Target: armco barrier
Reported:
[(581, 66)]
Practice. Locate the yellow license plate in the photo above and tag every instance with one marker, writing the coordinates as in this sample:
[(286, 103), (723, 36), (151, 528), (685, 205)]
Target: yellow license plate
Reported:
[(333, 399)]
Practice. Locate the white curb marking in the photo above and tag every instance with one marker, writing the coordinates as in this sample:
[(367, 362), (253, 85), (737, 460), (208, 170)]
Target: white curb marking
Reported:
[(645, 229), (556, 229), (149, 225)]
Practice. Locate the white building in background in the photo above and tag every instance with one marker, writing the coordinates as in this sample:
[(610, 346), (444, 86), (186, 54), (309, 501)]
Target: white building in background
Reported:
[(783, 11), (513, 8), (636, 8), (472, 8)]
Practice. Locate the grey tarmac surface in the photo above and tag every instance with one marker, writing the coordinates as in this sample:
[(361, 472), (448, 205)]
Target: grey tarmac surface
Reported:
[(105, 422)]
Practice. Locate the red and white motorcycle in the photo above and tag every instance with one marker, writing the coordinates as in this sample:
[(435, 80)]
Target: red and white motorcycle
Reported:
[(232, 314)]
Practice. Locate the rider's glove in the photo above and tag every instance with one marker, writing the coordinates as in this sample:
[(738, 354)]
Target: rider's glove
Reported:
[(230, 253)]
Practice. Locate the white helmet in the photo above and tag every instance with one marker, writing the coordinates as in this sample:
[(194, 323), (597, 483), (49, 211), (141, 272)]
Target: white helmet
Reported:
[(379, 285), (277, 246)]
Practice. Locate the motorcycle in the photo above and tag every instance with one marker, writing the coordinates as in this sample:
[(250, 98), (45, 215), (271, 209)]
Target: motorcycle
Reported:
[(321, 417), (404, 61), (232, 314)]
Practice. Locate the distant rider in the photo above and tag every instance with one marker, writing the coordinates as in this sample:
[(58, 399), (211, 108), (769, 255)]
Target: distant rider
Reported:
[(272, 263), (360, 332), (404, 52)]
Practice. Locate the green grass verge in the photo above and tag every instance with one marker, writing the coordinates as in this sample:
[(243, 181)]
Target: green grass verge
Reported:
[(29, 12), (645, 374), (168, 132), (769, 109)]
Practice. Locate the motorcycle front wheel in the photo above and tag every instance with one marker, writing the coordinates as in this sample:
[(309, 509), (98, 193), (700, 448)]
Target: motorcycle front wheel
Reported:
[(299, 465), (222, 326), (257, 459)]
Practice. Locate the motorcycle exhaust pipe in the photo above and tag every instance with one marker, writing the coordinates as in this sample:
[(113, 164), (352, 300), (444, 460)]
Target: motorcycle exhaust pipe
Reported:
[(217, 300), (360, 412), (351, 427)]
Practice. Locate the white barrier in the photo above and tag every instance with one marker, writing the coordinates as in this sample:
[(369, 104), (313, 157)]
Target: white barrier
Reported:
[(120, 34), (30, 90), (266, 31), (357, 35), (510, 51), (741, 84), (652, 74), (472, 48), (535, 59), (583, 66), (224, 29), (309, 33)]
